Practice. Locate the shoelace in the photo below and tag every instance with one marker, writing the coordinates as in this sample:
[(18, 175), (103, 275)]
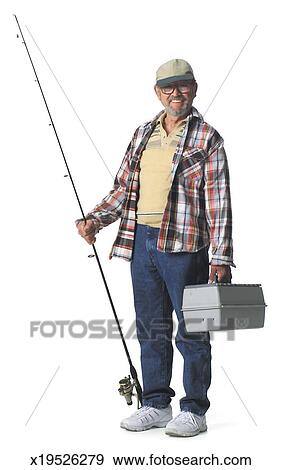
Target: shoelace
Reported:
[(186, 417)]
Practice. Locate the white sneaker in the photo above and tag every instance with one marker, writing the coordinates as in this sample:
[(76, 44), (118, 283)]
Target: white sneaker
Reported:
[(186, 424), (147, 417)]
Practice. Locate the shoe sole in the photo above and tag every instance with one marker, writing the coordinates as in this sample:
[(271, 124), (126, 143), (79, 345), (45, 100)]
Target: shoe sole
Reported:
[(174, 432), (145, 428)]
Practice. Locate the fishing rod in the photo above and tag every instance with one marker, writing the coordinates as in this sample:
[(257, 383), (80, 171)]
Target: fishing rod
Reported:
[(126, 386)]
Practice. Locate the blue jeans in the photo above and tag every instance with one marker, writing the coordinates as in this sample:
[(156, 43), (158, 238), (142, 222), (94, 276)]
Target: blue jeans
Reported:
[(158, 282)]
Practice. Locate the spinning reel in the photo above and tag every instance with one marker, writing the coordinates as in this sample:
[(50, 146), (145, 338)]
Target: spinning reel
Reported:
[(126, 390)]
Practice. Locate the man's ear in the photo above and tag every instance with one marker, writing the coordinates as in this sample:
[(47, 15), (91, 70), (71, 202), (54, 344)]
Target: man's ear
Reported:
[(195, 89), (157, 91)]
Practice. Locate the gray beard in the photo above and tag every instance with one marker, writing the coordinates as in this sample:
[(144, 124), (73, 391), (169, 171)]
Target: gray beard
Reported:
[(181, 112)]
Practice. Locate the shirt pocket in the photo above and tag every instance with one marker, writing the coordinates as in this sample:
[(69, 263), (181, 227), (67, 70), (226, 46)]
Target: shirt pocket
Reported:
[(192, 163)]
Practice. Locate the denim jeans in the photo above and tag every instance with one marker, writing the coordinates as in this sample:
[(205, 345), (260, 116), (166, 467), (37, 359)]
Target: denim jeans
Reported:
[(158, 280)]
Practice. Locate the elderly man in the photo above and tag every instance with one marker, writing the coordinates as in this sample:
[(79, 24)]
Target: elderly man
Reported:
[(172, 194)]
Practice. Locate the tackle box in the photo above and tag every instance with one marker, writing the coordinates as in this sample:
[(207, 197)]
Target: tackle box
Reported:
[(223, 306)]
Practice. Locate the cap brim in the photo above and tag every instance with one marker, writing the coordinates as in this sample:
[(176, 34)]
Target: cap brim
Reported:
[(188, 77)]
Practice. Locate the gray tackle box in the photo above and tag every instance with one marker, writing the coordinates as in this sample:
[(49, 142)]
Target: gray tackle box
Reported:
[(218, 306)]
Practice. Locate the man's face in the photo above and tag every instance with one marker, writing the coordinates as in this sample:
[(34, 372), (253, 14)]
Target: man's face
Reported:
[(177, 98)]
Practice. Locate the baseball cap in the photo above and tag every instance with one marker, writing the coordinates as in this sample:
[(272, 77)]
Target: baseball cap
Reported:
[(174, 70)]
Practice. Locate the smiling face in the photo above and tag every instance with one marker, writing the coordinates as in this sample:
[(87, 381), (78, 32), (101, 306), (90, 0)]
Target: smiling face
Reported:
[(177, 98)]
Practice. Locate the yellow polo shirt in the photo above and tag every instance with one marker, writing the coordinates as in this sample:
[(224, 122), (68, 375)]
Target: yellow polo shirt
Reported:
[(155, 173)]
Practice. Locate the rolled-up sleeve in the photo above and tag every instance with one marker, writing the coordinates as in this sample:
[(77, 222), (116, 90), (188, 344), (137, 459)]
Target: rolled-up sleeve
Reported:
[(218, 205), (110, 208)]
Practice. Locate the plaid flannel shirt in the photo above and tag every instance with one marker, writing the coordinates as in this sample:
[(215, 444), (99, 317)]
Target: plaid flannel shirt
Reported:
[(198, 209)]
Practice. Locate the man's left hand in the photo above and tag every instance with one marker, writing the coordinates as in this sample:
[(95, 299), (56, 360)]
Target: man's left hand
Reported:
[(223, 272)]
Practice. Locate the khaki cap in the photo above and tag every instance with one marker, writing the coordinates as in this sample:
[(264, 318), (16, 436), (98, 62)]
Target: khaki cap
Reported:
[(175, 70)]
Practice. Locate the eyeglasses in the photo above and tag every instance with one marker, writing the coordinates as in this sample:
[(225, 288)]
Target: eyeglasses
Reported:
[(168, 90)]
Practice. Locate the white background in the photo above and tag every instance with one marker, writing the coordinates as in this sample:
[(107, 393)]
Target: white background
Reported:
[(105, 55)]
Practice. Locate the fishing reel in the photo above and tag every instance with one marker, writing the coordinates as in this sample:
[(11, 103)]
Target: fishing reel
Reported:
[(126, 390)]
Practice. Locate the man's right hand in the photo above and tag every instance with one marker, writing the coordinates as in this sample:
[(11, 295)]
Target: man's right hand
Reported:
[(87, 230)]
